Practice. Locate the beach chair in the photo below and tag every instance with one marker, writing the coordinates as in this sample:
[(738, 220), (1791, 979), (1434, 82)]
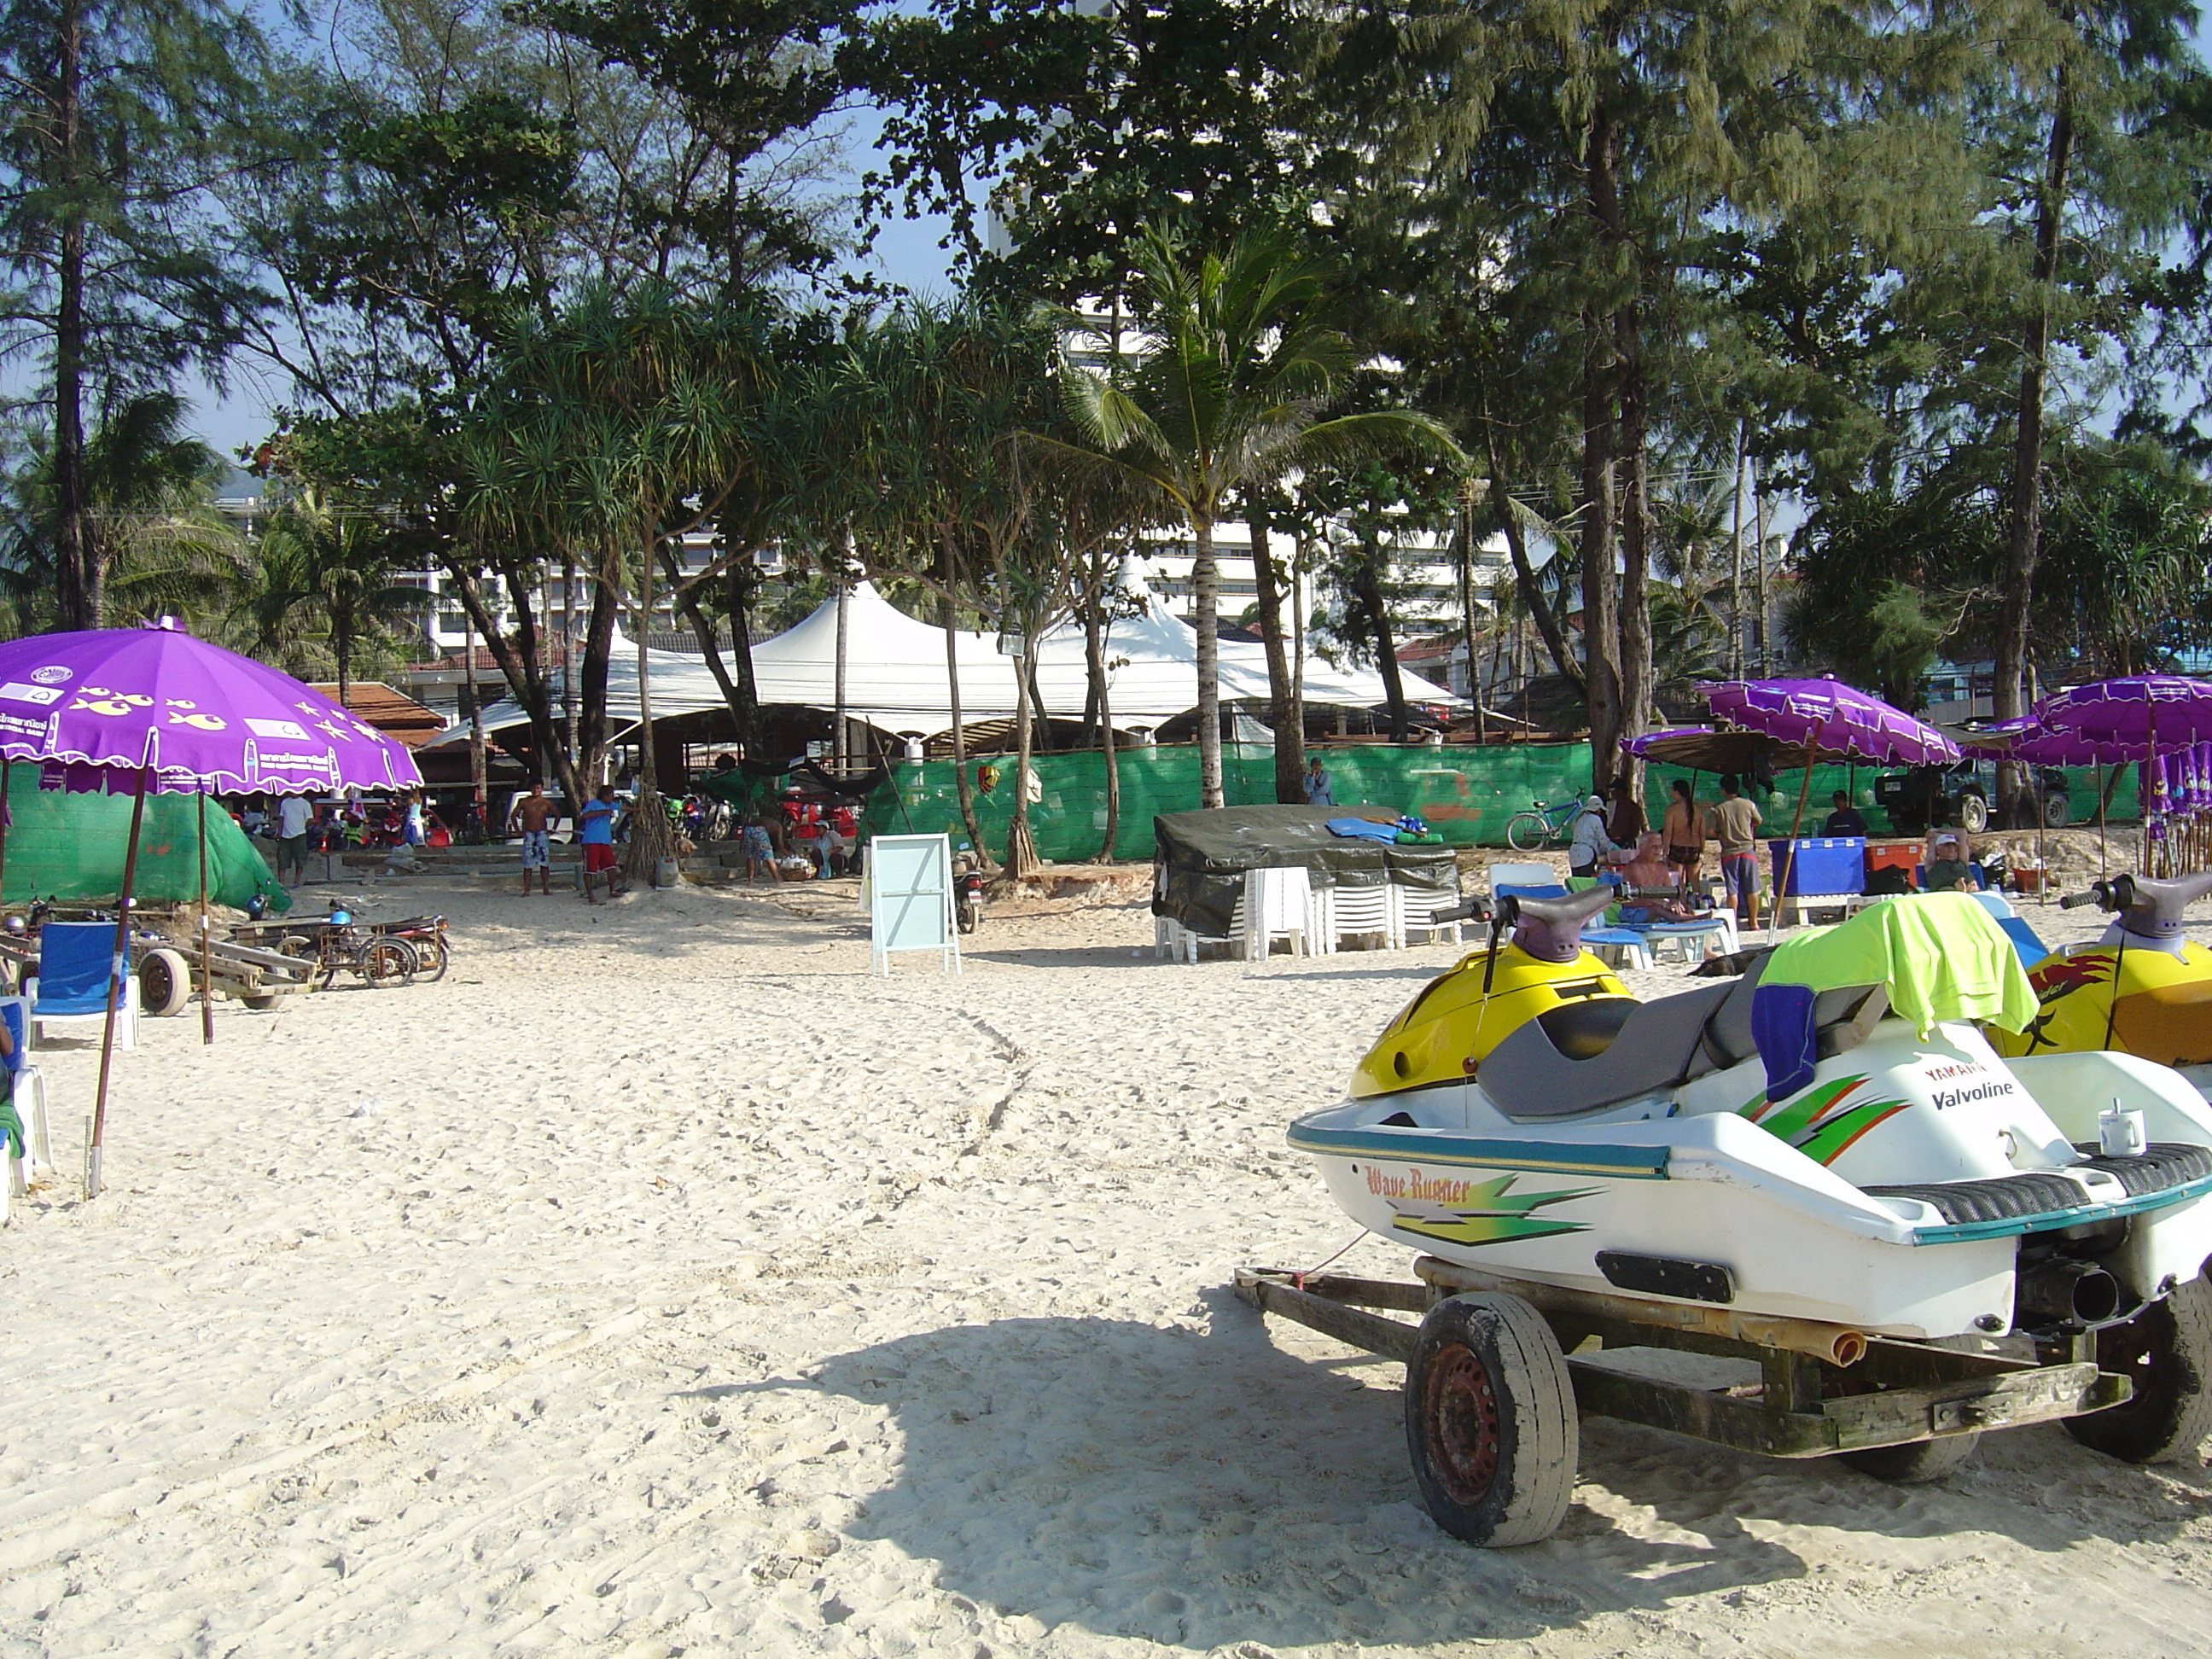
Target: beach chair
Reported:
[(1347, 911), (1501, 876), (30, 1103), (1619, 946), (1415, 912), (2032, 949), (1277, 904), (70, 988)]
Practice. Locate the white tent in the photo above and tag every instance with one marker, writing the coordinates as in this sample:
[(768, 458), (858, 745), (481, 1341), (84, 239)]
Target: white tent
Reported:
[(895, 679)]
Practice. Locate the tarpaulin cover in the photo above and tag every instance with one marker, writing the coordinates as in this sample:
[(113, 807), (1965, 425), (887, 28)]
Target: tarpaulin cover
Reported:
[(67, 847), (1200, 857)]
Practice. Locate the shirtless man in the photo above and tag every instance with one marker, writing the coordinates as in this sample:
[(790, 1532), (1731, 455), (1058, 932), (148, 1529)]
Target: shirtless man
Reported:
[(531, 814)]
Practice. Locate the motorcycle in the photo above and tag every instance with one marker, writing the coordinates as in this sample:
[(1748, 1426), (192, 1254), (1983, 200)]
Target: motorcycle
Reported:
[(967, 890), (2140, 989)]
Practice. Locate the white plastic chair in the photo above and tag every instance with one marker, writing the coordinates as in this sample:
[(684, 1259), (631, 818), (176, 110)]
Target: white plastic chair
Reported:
[(1416, 909), (30, 1105), (1277, 904), (1522, 875), (1351, 911)]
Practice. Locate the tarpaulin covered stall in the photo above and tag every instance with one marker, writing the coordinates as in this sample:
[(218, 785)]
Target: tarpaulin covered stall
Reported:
[(1200, 857)]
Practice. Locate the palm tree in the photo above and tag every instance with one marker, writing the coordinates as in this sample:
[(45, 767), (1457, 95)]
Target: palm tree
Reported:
[(329, 560), (1241, 365), (149, 515)]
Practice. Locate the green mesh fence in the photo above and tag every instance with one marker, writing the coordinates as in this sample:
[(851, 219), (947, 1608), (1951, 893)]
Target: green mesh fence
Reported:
[(70, 848), (1466, 794)]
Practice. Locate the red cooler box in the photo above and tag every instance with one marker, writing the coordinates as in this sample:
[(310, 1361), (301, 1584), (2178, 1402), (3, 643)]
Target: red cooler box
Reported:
[(1820, 864), (1903, 856)]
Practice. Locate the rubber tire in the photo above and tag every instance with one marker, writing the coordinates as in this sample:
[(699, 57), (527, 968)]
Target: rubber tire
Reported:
[(1525, 832), (388, 962), (261, 1001), (1973, 816), (1492, 1356), (2057, 811), (165, 983), (432, 956), (1918, 1463), (2171, 1414)]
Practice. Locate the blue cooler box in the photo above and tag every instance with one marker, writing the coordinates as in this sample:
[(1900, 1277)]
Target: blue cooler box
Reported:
[(1820, 866)]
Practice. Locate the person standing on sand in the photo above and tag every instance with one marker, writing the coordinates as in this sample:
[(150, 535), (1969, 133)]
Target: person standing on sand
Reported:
[(293, 812), (1685, 830), (595, 827), (1736, 824), (533, 813)]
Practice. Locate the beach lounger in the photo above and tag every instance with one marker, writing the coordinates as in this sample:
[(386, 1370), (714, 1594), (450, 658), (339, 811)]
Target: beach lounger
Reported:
[(70, 988)]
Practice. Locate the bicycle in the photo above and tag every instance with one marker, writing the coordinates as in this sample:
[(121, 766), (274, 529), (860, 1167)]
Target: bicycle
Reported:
[(1542, 826)]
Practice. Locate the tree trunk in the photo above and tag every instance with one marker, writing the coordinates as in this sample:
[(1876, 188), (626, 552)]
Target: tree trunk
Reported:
[(1021, 851), (648, 776), (521, 660), (1635, 540), (1370, 584), (2024, 533), (844, 587), (589, 696), (1290, 739), (1205, 583), (77, 577), (1094, 652), (1465, 529), (1600, 613), (686, 601), (1524, 575), (960, 782), (1735, 562)]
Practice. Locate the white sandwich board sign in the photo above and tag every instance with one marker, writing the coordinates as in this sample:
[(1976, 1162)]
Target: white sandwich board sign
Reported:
[(910, 899)]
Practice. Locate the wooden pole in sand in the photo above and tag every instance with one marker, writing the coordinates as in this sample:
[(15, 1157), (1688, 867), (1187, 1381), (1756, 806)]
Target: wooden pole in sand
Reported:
[(116, 980), (207, 951), (1789, 852)]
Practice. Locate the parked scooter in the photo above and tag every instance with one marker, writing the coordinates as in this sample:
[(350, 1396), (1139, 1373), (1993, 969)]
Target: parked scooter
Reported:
[(967, 889), (2142, 988)]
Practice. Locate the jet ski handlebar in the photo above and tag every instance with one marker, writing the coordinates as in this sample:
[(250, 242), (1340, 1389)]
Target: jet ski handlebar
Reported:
[(2148, 909), (1550, 929)]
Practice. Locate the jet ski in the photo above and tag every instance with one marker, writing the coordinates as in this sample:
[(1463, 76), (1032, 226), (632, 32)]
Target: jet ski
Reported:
[(1789, 1150), (2142, 988)]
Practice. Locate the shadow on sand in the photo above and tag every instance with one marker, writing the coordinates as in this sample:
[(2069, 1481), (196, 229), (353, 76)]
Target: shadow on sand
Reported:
[(1205, 1487)]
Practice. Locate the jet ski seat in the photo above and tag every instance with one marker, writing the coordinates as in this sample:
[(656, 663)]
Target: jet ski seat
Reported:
[(1843, 1019), (1565, 1061)]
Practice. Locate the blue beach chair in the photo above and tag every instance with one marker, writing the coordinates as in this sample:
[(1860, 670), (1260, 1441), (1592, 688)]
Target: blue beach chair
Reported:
[(70, 986)]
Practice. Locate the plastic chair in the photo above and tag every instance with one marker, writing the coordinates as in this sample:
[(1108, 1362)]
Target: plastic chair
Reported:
[(70, 988), (1352, 910), (1277, 904), (1416, 911), (1501, 876), (30, 1100)]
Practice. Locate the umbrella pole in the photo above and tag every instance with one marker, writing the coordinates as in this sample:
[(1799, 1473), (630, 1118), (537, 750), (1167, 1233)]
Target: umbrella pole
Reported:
[(115, 983), (207, 951), (1790, 853), (7, 811), (2100, 820)]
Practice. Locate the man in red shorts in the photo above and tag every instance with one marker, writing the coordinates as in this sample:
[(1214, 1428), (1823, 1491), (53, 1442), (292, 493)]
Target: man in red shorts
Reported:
[(595, 828)]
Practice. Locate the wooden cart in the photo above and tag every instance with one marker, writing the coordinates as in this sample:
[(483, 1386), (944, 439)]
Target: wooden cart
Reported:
[(1499, 1369)]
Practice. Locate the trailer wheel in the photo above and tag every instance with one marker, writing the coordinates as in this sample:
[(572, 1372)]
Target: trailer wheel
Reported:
[(2165, 1351), (1914, 1464), (261, 1001), (1490, 1421), (165, 983)]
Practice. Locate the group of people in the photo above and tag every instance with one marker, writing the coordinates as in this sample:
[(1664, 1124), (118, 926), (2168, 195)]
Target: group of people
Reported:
[(300, 825), (1609, 832), (1611, 836)]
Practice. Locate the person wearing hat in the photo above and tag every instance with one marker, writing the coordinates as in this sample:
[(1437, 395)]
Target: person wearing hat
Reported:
[(1948, 869), (1590, 847)]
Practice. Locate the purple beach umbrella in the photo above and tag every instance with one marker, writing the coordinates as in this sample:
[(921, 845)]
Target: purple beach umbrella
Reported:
[(2151, 713), (153, 707), (1831, 717)]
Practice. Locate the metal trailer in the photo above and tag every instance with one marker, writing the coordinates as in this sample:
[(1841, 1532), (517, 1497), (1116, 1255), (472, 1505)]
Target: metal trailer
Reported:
[(1498, 1374)]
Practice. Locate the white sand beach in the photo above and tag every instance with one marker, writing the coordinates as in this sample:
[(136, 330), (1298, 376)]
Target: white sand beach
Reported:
[(662, 1283)]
